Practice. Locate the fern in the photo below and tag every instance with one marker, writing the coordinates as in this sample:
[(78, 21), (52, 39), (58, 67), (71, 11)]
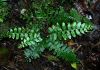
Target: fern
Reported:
[(33, 52), (31, 37), (60, 50), (45, 12), (27, 36), (64, 32), (71, 30)]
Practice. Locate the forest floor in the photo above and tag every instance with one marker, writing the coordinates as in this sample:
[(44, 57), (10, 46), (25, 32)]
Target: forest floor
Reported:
[(88, 52)]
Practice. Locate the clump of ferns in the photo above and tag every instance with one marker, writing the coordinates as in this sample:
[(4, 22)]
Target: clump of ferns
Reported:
[(30, 40), (57, 33)]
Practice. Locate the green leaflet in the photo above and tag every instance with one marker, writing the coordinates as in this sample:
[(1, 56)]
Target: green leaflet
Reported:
[(78, 32), (82, 31), (17, 36), (69, 26), (63, 26), (64, 35), (78, 25), (69, 35), (73, 33), (74, 25)]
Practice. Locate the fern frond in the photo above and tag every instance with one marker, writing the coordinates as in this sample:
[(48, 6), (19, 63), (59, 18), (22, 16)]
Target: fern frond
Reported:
[(71, 30), (28, 37), (61, 50), (33, 52)]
